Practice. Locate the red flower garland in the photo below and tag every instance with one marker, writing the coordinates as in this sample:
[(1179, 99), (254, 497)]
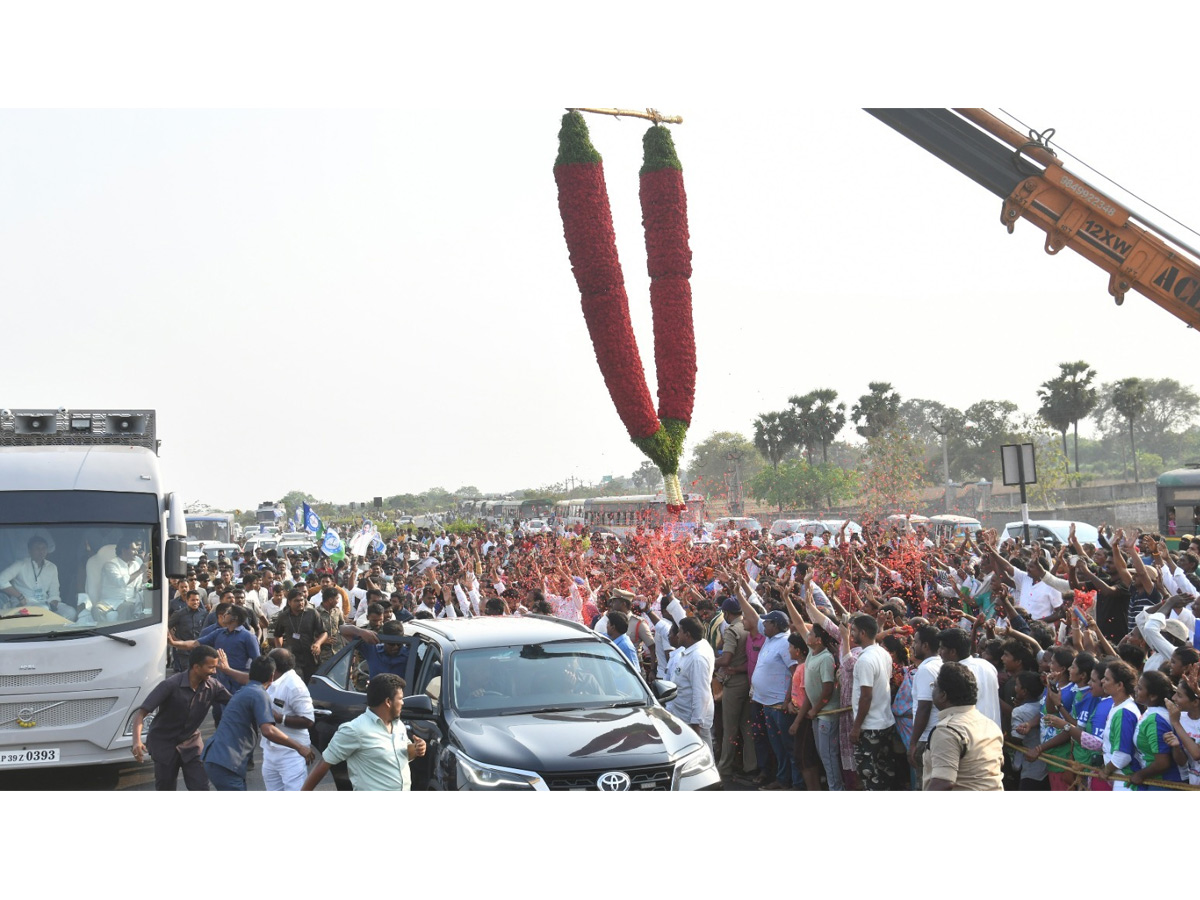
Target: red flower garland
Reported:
[(591, 243)]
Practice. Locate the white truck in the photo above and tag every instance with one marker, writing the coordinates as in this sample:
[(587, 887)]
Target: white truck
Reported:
[(88, 538)]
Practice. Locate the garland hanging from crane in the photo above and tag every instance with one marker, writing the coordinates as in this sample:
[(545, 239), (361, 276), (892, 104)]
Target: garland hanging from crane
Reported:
[(591, 243)]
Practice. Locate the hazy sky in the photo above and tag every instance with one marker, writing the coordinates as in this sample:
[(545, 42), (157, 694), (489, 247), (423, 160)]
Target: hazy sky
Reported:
[(358, 303), (367, 291)]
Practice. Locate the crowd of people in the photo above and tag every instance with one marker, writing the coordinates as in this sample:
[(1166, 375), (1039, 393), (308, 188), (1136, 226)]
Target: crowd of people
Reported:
[(887, 660)]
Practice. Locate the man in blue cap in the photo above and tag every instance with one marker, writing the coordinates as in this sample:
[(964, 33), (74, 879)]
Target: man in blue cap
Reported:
[(771, 686)]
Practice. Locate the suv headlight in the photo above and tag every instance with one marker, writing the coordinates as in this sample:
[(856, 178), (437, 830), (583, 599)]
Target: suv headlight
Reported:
[(484, 777), (696, 762)]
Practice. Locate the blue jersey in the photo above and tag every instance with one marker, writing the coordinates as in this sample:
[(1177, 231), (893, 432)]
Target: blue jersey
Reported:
[(1084, 712)]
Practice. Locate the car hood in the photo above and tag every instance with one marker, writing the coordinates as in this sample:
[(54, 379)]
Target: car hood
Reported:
[(576, 740)]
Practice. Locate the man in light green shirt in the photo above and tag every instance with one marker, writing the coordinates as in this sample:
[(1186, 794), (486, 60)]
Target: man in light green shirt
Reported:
[(375, 747)]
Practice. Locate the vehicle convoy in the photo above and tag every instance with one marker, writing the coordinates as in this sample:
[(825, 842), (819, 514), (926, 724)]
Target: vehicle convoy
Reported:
[(270, 515), (88, 537), (738, 523), (521, 703)]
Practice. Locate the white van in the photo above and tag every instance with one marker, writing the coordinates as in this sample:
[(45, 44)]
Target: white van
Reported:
[(951, 527), (1052, 531)]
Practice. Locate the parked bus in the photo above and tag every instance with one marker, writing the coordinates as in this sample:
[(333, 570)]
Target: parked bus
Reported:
[(569, 513), (1178, 496), (88, 537), (621, 515)]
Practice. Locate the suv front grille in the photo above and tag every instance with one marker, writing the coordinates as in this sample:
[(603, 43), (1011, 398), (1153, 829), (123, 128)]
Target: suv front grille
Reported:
[(646, 778)]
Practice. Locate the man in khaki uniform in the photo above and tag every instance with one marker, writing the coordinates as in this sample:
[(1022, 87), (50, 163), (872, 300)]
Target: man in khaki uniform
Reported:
[(330, 612), (966, 748), (731, 665)]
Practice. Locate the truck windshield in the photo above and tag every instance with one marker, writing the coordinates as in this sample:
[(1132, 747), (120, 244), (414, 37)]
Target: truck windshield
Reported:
[(209, 530), (59, 578), (560, 675)]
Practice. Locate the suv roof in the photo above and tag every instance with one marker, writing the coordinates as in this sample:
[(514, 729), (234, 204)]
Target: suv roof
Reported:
[(491, 631)]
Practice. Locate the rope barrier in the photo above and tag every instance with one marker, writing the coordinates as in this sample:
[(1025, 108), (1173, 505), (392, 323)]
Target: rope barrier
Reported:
[(1079, 768)]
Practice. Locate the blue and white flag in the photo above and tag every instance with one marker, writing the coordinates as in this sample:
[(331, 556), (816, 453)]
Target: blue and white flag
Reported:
[(332, 546), (312, 522), (378, 546)]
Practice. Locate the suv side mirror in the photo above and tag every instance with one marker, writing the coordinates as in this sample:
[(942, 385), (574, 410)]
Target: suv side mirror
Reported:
[(417, 706), (664, 691)]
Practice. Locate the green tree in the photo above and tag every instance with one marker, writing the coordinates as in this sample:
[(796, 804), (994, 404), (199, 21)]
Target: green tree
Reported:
[(935, 425), (1170, 409), (709, 464), (1067, 398), (647, 478), (1082, 396), (986, 425), (820, 420), (876, 411), (1129, 398), (436, 498), (1056, 412), (775, 435), (797, 484), (891, 476), (293, 499)]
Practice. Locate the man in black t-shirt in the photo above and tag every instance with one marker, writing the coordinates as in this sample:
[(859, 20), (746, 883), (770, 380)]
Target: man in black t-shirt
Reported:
[(186, 625), (298, 627)]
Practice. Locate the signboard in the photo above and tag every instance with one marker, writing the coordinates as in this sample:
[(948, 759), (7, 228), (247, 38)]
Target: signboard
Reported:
[(1017, 463)]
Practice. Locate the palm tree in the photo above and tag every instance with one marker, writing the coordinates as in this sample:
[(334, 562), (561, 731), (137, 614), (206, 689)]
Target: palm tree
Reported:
[(1082, 396), (776, 433), (1055, 411), (820, 421), (877, 411), (1128, 399)]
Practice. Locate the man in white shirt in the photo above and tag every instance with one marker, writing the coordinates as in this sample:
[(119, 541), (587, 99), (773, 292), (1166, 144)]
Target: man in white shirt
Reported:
[(119, 580), (954, 645), (925, 649), (283, 768), (662, 636), (873, 726), (1163, 637), (1038, 592), (33, 581), (693, 675)]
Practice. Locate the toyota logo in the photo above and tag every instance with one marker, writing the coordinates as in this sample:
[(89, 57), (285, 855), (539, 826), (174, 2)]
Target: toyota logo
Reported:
[(613, 781)]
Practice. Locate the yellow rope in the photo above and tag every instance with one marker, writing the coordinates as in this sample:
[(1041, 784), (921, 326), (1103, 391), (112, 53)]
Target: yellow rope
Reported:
[(1079, 768)]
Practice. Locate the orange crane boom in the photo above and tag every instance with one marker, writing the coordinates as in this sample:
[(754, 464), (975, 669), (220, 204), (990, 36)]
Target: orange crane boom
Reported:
[(1033, 185)]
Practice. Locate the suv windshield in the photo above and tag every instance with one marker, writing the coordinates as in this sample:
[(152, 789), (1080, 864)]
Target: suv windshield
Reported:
[(66, 578), (536, 677)]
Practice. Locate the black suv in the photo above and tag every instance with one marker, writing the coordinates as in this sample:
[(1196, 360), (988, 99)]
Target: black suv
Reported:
[(530, 703)]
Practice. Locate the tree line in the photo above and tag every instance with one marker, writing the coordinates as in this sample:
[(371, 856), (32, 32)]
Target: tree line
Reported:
[(802, 456)]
